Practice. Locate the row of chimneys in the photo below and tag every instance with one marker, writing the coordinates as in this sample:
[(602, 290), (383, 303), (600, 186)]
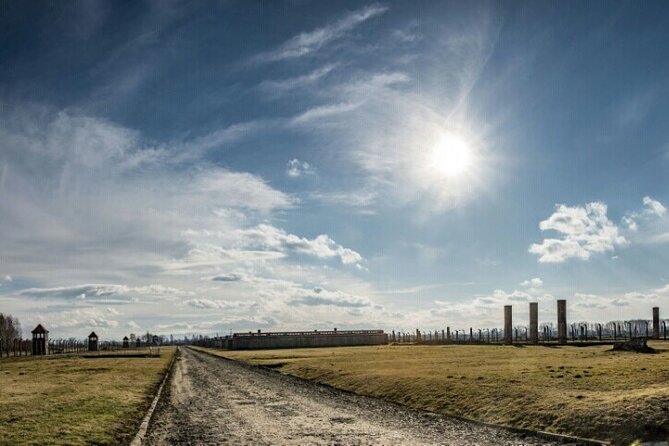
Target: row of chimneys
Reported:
[(561, 322)]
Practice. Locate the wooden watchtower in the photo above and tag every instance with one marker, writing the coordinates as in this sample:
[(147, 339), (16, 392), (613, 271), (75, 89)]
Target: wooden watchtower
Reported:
[(126, 342), (92, 342), (40, 340)]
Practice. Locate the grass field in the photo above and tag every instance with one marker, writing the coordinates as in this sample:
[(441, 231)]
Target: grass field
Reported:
[(585, 391), (69, 400)]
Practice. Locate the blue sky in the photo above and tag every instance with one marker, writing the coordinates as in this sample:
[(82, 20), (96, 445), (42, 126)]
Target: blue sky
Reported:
[(203, 167)]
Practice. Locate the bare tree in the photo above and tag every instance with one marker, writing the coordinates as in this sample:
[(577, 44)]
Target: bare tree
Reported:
[(10, 327)]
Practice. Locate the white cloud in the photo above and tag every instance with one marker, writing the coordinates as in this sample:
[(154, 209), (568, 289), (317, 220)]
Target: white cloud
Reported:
[(211, 304), (375, 83), (308, 42), (408, 34), (319, 296), (649, 224), (231, 277), (585, 230), (653, 210), (271, 238), (79, 321), (655, 206), (324, 111), (532, 283), (630, 223), (279, 86), (8, 278), (486, 311), (105, 188), (241, 190), (296, 168), (208, 255), (362, 199), (100, 292)]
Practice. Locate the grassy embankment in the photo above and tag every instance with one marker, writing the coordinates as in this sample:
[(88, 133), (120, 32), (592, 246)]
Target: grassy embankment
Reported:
[(69, 400), (585, 391)]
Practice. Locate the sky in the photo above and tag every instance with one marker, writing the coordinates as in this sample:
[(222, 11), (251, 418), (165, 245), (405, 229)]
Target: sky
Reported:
[(211, 167)]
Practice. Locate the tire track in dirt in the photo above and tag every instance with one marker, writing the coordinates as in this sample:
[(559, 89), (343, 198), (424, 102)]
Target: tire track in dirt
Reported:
[(212, 401)]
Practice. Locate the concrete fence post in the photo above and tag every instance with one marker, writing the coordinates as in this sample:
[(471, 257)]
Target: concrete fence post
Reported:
[(448, 334), (656, 322)]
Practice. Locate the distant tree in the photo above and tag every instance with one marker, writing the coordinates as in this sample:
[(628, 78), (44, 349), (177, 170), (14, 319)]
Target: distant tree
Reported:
[(10, 327), (133, 337)]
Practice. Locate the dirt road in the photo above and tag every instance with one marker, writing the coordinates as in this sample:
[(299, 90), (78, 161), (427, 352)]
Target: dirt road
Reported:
[(212, 401)]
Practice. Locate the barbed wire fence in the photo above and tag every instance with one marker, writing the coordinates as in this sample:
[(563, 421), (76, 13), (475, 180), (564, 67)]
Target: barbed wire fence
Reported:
[(16, 347), (582, 331)]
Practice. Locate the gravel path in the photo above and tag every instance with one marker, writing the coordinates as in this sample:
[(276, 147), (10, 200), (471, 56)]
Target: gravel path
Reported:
[(212, 401)]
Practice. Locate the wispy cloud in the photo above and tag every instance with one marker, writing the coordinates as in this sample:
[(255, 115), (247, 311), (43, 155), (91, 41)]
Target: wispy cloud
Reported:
[(276, 87), (323, 111), (319, 296), (296, 168), (649, 224), (113, 208), (100, 293), (535, 282), (308, 42), (361, 199), (211, 304)]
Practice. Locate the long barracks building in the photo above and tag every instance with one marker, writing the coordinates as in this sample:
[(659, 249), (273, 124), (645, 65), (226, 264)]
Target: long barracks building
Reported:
[(292, 339)]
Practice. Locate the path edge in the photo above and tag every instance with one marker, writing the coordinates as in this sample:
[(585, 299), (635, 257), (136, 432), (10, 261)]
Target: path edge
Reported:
[(144, 427), (519, 430)]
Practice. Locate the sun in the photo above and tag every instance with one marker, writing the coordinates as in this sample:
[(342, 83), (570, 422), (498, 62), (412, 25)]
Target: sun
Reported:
[(451, 156)]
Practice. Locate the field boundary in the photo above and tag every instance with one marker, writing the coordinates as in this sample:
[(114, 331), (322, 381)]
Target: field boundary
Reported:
[(541, 434), (143, 428)]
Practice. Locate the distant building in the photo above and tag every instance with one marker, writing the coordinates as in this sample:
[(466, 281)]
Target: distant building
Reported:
[(296, 339)]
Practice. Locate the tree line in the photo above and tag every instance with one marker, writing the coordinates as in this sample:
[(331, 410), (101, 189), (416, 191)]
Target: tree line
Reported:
[(10, 327)]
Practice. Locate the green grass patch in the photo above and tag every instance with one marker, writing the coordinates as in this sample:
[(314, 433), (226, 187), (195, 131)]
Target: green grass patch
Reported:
[(584, 391), (71, 400)]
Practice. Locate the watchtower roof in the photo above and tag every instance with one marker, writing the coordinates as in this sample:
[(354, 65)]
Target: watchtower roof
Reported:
[(39, 329), (92, 335)]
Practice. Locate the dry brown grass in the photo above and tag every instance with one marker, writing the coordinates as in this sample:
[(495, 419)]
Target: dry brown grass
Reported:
[(585, 391), (75, 401)]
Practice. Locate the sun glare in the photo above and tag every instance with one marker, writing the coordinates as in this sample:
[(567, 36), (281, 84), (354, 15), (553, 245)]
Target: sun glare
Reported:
[(451, 156)]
